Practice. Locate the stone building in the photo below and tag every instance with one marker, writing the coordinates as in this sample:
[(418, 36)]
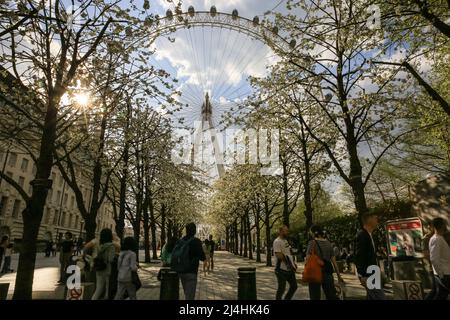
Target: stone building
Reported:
[(60, 213)]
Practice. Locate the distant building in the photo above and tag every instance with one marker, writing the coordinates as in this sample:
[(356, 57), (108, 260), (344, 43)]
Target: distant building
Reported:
[(60, 213)]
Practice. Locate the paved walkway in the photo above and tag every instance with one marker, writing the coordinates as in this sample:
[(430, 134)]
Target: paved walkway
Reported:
[(222, 283), (218, 285)]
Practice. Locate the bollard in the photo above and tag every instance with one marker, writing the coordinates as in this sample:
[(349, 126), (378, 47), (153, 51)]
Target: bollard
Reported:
[(246, 283), (170, 285), (4, 287)]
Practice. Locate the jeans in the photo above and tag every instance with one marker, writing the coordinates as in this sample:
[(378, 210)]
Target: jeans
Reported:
[(442, 287), (432, 293), (127, 287), (189, 283), (64, 260), (328, 288), (6, 265), (101, 286), (282, 278)]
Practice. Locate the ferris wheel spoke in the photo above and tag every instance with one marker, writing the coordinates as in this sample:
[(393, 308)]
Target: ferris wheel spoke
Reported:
[(237, 69)]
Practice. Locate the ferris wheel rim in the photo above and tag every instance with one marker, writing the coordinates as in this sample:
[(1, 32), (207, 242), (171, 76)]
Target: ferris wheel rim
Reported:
[(180, 20)]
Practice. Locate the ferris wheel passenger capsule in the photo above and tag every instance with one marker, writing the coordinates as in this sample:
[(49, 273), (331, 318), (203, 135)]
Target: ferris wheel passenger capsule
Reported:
[(255, 21), (169, 14), (292, 44), (235, 14), (213, 11), (191, 11)]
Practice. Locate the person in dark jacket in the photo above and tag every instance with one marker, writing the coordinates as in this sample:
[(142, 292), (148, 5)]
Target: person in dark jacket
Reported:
[(189, 276), (365, 255)]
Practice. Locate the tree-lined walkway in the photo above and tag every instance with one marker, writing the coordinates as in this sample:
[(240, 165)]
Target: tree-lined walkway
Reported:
[(222, 283), (218, 285)]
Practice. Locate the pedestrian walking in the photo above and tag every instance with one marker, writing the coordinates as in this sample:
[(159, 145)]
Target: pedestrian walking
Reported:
[(206, 246), (211, 252), (7, 247), (185, 259), (7, 259), (440, 259), (285, 267), (3, 244), (127, 270), (66, 251), (426, 254), (365, 255), (324, 249), (102, 264), (166, 252), (54, 246)]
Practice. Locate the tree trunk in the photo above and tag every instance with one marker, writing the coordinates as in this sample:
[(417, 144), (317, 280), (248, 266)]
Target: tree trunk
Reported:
[(163, 226), (228, 238), (250, 243), (153, 229), (170, 234), (32, 215), (268, 242), (285, 195), (244, 225), (120, 222), (241, 237), (236, 241), (90, 225), (145, 209), (258, 234), (307, 199), (27, 255)]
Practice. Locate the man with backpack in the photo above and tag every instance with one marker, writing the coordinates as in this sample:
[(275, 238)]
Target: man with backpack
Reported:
[(186, 255)]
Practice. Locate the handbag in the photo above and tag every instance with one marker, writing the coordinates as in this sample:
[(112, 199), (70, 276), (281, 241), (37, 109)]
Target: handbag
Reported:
[(312, 273), (135, 280)]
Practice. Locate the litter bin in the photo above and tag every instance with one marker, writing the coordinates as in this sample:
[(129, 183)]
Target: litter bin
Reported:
[(170, 285), (4, 287), (246, 283)]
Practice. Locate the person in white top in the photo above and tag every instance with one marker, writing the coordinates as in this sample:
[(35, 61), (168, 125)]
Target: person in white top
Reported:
[(285, 267), (440, 259)]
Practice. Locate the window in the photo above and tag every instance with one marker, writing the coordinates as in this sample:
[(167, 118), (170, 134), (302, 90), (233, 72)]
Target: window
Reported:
[(21, 181), (48, 215), (76, 222), (16, 209), (55, 218), (3, 205), (61, 180), (58, 196), (65, 199), (49, 195), (72, 201), (12, 159), (24, 165), (53, 177), (63, 219)]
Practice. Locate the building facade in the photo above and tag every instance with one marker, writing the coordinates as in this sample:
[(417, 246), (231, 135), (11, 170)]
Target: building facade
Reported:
[(60, 213)]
